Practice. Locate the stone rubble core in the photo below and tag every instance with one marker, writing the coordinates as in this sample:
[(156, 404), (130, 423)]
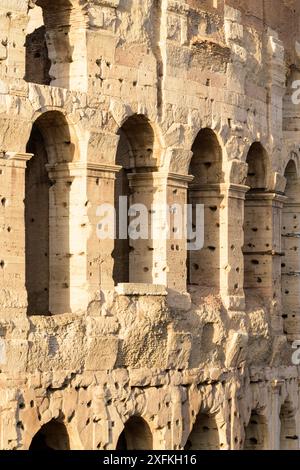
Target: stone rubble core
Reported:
[(140, 345)]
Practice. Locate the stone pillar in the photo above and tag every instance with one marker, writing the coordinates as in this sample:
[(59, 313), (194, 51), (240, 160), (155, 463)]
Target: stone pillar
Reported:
[(290, 269), (297, 416), (275, 83), (13, 23), (101, 36), (13, 295), (231, 243), (80, 263), (67, 239), (66, 38), (100, 190), (262, 250), (177, 186), (274, 424)]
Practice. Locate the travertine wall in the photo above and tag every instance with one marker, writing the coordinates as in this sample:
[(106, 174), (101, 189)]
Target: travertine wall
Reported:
[(105, 345)]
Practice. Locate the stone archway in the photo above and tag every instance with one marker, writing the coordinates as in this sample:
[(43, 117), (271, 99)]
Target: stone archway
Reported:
[(138, 156), (48, 201), (256, 433), (205, 434), (51, 436), (136, 435), (205, 189)]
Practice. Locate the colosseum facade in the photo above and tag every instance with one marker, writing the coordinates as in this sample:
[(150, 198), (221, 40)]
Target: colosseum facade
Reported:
[(108, 344)]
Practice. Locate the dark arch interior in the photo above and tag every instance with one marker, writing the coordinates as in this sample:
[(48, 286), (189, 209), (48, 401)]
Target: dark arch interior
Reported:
[(136, 153), (136, 435), (206, 163), (256, 433), (51, 436), (205, 434), (37, 63), (140, 151), (50, 142), (291, 189), (203, 266), (258, 243), (257, 160), (37, 185)]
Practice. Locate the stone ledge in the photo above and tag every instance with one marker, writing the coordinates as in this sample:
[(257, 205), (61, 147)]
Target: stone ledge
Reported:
[(179, 300), (141, 289)]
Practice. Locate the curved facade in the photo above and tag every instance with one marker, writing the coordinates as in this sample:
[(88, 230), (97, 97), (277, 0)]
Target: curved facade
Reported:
[(109, 344)]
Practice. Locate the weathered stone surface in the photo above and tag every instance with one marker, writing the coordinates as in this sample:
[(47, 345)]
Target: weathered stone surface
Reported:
[(164, 102)]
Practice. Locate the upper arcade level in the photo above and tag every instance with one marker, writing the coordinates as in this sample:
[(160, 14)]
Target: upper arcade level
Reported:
[(190, 86), (121, 49)]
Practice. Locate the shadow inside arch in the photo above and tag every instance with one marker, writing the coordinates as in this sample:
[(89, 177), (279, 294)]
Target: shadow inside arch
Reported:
[(136, 435), (52, 436)]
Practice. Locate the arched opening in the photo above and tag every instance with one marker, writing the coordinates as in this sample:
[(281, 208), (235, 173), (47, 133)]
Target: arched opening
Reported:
[(37, 63), (257, 161), (290, 263), (56, 44), (256, 433), (205, 434), (136, 435), (258, 221), (51, 436), (206, 168), (289, 439), (47, 216), (137, 154), (37, 186)]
